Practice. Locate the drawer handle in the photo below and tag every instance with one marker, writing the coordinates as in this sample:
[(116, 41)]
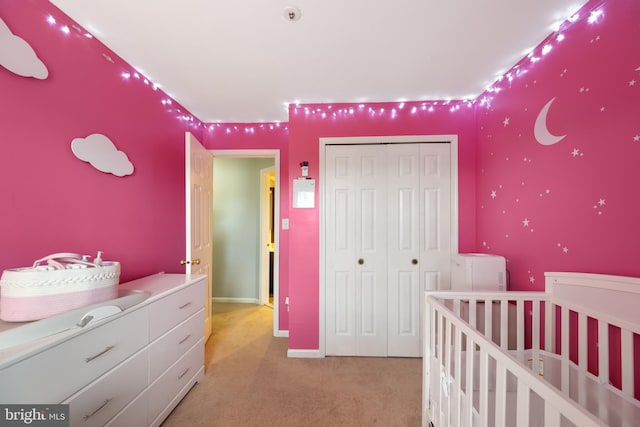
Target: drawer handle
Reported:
[(185, 305), (184, 373), (89, 359), (184, 339), (105, 403)]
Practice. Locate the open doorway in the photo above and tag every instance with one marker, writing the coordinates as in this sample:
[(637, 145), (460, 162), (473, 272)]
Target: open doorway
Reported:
[(245, 234)]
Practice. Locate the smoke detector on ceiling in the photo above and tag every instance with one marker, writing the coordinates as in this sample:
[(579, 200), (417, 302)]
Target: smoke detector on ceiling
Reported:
[(292, 14)]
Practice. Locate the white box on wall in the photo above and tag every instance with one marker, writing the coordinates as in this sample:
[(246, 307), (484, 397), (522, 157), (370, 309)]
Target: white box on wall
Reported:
[(478, 273)]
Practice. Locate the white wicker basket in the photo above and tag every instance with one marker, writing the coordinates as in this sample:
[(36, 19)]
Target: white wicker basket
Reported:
[(66, 282)]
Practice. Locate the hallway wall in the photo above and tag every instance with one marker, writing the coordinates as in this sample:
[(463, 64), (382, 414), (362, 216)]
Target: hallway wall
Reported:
[(236, 227)]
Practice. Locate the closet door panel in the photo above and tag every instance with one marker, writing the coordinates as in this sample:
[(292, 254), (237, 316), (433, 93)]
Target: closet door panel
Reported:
[(342, 300), (371, 251), (435, 214), (340, 293), (406, 293), (403, 287), (367, 304), (431, 219), (355, 251)]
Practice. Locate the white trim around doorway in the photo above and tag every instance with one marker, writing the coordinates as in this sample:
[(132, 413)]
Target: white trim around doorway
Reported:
[(275, 154)]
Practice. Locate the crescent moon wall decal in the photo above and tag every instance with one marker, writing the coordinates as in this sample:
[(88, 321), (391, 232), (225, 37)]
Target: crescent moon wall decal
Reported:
[(540, 130)]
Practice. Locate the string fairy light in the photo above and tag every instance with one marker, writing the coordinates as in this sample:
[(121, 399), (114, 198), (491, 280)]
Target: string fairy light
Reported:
[(544, 48), (390, 110), (246, 128), (126, 75)]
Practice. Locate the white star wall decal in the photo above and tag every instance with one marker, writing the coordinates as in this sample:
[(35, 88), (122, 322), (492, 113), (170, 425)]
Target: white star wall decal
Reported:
[(525, 222), (599, 206), (632, 83), (505, 122), (636, 138)]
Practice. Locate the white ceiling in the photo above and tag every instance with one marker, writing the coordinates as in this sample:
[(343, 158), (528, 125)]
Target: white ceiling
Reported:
[(242, 61)]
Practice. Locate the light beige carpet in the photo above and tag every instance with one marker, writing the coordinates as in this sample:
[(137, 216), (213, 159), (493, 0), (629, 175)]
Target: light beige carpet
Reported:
[(249, 381)]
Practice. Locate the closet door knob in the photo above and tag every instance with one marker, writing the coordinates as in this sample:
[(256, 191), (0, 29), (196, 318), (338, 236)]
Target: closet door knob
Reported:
[(360, 261), (414, 261)]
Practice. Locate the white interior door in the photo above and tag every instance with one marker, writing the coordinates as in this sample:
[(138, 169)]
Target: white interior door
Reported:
[(266, 223), (199, 204), (404, 204), (356, 320)]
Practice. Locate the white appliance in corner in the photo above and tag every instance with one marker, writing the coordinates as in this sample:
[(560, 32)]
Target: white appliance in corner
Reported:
[(478, 273)]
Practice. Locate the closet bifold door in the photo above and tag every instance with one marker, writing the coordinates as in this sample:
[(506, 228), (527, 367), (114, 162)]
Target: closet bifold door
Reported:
[(356, 251), (388, 239), (403, 231), (435, 216), (419, 227)]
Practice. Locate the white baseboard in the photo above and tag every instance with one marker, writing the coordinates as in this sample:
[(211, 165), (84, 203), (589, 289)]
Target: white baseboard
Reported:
[(281, 334), (304, 354), (236, 300)]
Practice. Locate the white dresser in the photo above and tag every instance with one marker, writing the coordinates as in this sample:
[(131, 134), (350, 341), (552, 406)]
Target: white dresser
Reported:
[(128, 369)]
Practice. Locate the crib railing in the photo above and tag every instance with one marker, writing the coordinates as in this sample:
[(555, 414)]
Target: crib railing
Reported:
[(465, 352), (601, 314)]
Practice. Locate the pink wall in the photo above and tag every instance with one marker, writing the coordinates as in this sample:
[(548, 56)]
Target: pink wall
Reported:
[(261, 136), (567, 206), (52, 201), (572, 205), (308, 123)]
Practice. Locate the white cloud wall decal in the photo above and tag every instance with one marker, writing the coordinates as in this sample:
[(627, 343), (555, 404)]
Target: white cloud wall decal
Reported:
[(17, 56), (102, 154)]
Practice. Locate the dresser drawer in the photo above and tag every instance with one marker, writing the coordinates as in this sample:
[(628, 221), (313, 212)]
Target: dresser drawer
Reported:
[(133, 415), (175, 308), (98, 402), (56, 373), (165, 388), (169, 347)]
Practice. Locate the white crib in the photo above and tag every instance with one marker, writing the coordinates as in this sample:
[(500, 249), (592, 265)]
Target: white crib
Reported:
[(563, 357)]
